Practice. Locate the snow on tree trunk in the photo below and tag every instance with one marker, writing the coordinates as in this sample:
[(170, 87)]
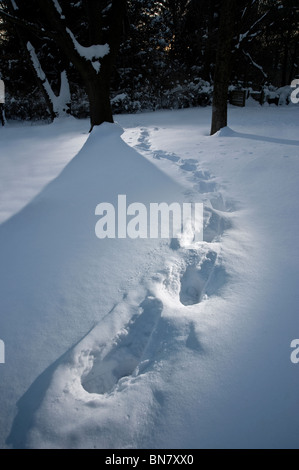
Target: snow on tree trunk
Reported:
[(60, 103), (14, 5)]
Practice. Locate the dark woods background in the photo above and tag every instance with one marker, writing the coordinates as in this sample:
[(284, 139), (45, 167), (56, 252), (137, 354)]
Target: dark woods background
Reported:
[(166, 57)]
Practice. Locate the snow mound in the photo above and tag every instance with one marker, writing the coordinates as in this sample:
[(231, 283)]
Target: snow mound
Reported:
[(57, 279)]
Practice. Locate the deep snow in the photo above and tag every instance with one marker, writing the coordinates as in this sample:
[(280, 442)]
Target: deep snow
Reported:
[(150, 343)]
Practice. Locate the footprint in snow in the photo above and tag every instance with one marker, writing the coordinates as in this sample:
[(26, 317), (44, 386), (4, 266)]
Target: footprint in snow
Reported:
[(127, 352), (202, 280), (188, 166), (215, 225)]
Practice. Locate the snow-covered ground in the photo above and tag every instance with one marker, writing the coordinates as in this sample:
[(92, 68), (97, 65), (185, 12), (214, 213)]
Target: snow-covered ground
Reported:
[(150, 343)]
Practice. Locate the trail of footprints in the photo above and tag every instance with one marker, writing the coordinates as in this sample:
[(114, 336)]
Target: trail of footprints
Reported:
[(202, 276)]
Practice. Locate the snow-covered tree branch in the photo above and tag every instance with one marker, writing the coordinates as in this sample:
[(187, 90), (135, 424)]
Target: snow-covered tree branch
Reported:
[(60, 103)]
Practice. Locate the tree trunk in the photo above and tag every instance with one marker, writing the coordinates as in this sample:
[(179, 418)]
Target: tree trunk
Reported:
[(97, 82), (99, 101), (223, 65), (95, 71), (208, 55)]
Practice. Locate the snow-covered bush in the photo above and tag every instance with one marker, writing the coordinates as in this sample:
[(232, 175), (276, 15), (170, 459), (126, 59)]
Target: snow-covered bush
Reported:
[(148, 97), (79, 103), (22, 107), (279, 96), (284, 94), (122, 103), (186, 95)]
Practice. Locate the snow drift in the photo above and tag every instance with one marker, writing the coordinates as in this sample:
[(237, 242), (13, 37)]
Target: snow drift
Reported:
[(57, 279)]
